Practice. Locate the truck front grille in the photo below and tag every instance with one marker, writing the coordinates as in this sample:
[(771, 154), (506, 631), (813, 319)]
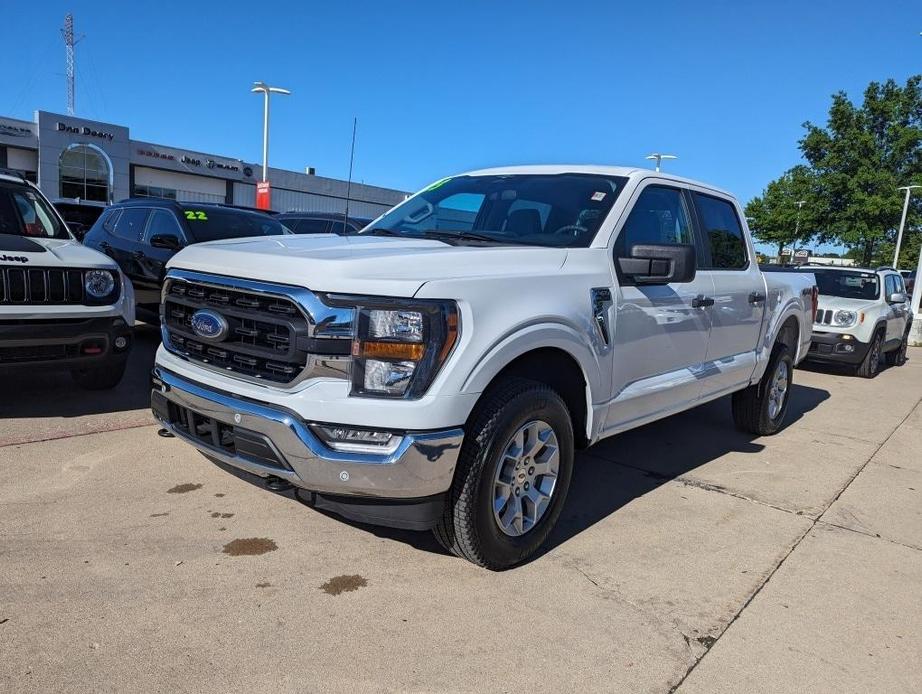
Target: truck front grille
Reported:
[(37, 285), (268, 337)]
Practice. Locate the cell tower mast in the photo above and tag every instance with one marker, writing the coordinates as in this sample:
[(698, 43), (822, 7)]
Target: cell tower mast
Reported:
[(68, 32)]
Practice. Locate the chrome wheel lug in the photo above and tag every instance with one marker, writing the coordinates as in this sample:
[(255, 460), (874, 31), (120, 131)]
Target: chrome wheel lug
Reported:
[(527, 486), (531, 470)]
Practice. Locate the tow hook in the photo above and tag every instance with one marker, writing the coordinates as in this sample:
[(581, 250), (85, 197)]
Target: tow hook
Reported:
[(277, 484)]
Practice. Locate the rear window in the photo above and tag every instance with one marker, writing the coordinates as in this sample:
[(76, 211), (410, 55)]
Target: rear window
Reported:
[(214, 224)]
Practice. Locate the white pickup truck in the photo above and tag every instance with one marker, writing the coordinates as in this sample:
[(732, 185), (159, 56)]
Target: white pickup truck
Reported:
[(438, 369)]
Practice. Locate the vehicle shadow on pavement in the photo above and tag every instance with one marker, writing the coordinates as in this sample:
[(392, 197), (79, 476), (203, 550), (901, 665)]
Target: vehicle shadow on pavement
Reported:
[(40, 393), (622, 468)]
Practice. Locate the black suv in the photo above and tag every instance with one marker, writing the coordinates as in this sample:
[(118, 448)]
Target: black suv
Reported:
[(142, 234), (322, 223)]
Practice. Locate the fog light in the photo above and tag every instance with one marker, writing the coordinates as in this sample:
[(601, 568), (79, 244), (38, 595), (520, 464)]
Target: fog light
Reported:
[(121, 343), (349, 440)]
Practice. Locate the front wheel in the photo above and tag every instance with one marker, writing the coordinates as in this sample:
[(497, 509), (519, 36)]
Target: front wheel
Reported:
[(760, 408), (871, 364), (512, 477), (897, 357)]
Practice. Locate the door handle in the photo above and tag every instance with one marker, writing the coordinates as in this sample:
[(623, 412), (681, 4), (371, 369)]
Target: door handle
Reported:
[(756, 298), (702, 301)]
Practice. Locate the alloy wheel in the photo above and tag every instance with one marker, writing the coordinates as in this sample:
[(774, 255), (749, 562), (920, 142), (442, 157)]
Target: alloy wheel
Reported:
[(525, 478)]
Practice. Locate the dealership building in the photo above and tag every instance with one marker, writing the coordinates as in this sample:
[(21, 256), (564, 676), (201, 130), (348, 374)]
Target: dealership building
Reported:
[(74, 158)]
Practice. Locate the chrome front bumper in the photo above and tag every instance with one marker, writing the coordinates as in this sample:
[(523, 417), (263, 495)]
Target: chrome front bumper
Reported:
[(422, 465)]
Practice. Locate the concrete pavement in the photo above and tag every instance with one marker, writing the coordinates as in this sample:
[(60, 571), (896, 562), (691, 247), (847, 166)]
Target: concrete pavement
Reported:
[(689, 557)]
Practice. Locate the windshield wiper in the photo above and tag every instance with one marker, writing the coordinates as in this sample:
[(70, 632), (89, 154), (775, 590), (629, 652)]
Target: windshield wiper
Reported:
[(380, 231), (446, 235)]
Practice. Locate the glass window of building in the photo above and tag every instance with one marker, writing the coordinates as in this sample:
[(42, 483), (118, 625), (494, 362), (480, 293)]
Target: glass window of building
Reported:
[(84, 174)]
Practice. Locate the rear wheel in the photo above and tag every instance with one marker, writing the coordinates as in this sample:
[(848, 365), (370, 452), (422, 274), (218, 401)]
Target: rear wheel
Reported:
[(760, 409), (871, 364), (512, 477), (101, 376), (897, 357)]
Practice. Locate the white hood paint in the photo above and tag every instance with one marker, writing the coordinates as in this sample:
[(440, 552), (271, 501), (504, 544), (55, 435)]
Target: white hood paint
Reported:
[(840, 303), (59, 253), (386, 266)]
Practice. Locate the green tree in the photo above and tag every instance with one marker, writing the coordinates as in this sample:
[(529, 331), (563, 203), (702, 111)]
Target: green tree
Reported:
[(776, 216), (859, 159)]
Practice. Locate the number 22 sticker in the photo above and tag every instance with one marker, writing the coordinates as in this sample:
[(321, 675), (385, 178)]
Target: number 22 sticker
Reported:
[(196, 215)]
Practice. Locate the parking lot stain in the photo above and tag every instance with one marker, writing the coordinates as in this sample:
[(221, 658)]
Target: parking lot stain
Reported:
[(263, 585), (216, 514), (343, 584), (249, 546), (706, 641), (159, 515), (219, 495), (183, 488)]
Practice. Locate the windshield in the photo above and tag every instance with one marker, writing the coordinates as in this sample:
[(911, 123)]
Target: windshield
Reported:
[(849, 285), (562, 210), (214, 223), (24, 213)]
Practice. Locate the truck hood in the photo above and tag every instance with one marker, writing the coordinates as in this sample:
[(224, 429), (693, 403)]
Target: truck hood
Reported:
[(362, 264), (836, 303), (27, 251)]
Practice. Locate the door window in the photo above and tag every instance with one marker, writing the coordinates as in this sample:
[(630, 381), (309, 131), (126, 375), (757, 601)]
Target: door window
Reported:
[(722, 232), (162, 223), (659, 216), (131, 223)]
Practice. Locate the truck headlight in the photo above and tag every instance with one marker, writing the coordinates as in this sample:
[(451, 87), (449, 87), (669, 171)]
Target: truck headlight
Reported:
[(844, 318), (400, 345)]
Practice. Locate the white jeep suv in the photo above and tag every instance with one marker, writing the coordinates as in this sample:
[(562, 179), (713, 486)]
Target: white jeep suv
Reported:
[(862, 315)]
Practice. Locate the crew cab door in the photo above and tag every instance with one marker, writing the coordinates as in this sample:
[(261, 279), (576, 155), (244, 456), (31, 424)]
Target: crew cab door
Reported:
[(661, 332), (739, 294)]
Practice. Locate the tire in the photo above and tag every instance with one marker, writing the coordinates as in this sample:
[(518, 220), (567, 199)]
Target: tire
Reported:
[(897, 357), (760, 409), (101, 377), (471, 527), (871, 364)]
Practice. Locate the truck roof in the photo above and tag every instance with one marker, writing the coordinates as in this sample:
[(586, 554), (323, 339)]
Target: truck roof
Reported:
[(626, 171)]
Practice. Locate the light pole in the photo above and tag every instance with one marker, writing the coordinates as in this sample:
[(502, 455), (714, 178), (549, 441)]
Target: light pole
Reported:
[(659, 158), (266, 90), (899, 236), (800, 204)]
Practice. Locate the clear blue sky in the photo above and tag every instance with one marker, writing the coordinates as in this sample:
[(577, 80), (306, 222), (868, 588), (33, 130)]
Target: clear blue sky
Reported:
[(439, 88)]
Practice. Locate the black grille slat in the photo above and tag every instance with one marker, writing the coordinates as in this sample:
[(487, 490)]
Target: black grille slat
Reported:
[(30, 286), (221, 436)]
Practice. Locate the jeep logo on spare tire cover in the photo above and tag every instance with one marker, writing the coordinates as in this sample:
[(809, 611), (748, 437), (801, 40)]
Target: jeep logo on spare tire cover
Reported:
[(209, 325)]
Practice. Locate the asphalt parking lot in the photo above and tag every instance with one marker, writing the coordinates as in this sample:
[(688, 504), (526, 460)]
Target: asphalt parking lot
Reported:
[(689, 556)]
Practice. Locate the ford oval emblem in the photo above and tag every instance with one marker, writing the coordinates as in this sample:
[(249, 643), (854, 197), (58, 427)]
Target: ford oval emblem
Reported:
[(209, 325)]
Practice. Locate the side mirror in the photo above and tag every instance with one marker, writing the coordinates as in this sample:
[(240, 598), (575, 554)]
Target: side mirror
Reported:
[(167, 241), (654, 263), (897, 298)]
